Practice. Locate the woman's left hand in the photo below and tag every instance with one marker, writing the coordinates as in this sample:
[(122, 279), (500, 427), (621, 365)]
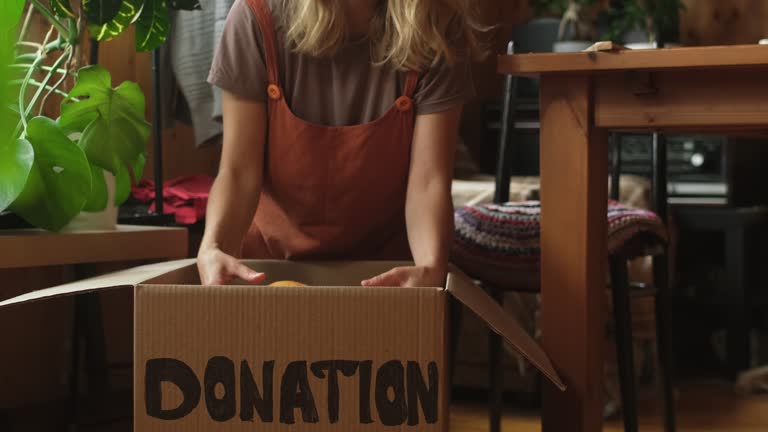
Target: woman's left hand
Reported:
[(414, 276)]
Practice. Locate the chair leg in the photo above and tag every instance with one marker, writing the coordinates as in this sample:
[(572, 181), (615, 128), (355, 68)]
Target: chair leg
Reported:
[(664, 340), (622, 313), (495, 373)]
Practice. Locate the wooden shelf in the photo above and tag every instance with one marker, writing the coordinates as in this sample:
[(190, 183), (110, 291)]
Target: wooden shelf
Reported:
[(37, 248)]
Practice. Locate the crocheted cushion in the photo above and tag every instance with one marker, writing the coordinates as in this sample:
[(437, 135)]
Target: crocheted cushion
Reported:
[(507, 236)]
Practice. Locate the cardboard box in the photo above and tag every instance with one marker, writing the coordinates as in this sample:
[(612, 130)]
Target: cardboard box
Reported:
[(327, 357)]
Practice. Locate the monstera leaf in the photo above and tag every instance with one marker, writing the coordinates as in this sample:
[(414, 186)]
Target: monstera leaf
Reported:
[(59, 182), (115, 137), (185, 4), (10, 13), (128, 11), (98, 12), (16, 158), (123, 181), (15, 155), (153, 25), (62, 8), (97, 200)]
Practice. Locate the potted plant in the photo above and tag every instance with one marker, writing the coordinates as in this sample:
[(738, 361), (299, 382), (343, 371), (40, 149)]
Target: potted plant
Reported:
[(576, 29), (643, 23), (55, 170)]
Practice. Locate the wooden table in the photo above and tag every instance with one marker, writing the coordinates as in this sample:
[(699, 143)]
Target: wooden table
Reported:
[(583, 96), (37, 248), (38, 335)]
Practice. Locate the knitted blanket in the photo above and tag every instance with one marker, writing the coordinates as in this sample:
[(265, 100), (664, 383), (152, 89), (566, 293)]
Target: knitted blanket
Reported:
[(508, 234)]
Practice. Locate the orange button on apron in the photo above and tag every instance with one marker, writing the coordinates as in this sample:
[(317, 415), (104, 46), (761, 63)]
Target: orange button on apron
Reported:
[(403, 103), (274, 91)]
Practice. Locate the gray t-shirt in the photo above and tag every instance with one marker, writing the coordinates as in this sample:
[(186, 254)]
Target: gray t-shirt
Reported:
[(344, 90)]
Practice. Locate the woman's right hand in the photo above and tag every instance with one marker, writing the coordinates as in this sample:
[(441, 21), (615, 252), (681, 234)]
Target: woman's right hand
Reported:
[(218, 268)]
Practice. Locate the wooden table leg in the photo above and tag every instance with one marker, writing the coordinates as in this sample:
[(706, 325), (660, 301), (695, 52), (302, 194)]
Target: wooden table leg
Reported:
[(574, 175)]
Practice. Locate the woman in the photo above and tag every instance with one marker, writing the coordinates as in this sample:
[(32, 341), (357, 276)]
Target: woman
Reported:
[(340, 124)]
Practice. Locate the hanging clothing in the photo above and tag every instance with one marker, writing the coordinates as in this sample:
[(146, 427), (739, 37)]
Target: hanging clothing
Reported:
[(194, 36)]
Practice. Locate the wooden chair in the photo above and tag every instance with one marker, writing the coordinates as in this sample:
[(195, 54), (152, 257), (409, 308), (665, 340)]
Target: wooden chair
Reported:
[(509, 262)]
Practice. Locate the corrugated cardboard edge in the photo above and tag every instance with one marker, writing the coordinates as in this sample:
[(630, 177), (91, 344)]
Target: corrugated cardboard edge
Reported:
[(478, 301), (121, 279)]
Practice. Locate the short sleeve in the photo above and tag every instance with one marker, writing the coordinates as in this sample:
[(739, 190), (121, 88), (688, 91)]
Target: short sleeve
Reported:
[(238, 64), (444, 86)]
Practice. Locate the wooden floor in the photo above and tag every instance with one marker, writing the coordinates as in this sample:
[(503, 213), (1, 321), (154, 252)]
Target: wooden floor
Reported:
[(703, 407)]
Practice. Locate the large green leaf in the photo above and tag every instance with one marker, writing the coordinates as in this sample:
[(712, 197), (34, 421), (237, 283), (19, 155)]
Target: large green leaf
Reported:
[(123, 181), (116, 138), (98, 12), (97, 200), (10, 13), (16, 155), (6, 55), (77, 123), (117, 25), (16, 158), (185, 4), (59, 182), (75, 117), (153, 25), (62, 8)]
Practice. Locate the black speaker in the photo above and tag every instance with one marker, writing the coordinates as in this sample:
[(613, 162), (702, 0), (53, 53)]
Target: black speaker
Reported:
[(705, 169)]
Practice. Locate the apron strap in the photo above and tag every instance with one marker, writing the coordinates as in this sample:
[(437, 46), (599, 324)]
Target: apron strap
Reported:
[(410, 84), (264, 18)]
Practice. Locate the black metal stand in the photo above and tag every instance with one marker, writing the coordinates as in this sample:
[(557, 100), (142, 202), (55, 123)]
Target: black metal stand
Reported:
[(141, 216), (157, 116)]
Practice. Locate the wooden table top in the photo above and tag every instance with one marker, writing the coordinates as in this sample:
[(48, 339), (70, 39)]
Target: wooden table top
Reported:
[(625, 59), (35, 248)]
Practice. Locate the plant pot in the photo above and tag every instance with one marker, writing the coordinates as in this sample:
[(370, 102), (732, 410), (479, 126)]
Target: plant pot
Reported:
[(637, 35), (105, 220), (641, 45), (570, 46), (640, 39), (536, 35)]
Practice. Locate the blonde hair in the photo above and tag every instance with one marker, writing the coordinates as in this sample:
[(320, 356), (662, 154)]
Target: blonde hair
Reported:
[(408, 34)]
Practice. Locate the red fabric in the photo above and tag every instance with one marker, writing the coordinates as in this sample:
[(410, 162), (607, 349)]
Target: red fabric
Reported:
[(184, 197)]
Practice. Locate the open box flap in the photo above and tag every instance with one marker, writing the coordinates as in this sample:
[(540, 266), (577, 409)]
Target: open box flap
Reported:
[(121, 279), (490, 312)]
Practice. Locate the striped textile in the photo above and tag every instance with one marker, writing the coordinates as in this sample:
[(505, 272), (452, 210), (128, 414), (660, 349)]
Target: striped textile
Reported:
[(508, 234)]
